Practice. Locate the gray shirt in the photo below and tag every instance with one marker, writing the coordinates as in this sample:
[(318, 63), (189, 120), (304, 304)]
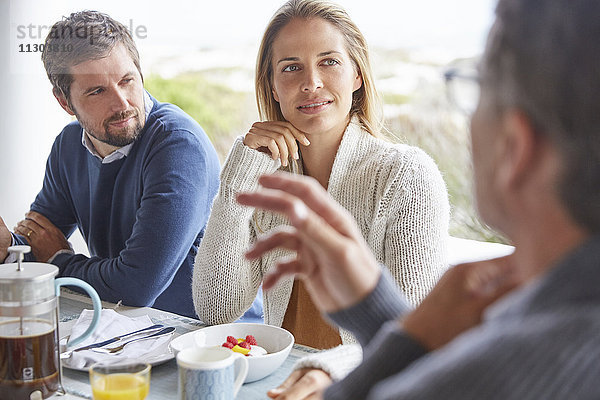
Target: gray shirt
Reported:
[(540, 342)]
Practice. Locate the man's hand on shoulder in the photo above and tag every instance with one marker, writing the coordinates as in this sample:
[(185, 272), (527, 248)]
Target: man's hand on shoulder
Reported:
[(458, 301), (43, 236), (5, 240)]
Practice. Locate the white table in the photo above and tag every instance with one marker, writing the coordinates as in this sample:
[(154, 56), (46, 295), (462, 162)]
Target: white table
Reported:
[(163, 384)]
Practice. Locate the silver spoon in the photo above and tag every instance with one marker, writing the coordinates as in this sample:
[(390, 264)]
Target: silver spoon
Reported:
[(153, 328), (118, 349)]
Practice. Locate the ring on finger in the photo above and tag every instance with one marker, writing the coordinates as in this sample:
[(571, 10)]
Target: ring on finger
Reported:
[(29, 233)]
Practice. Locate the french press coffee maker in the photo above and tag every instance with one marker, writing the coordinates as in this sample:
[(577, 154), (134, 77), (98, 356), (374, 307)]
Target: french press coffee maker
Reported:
[(29, 339)]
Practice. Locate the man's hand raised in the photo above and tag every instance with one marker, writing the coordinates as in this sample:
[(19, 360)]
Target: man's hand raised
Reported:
[(332, 257), (339, 270)]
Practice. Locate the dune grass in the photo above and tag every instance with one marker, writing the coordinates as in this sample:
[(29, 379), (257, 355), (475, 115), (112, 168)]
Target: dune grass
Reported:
[(429, 124)]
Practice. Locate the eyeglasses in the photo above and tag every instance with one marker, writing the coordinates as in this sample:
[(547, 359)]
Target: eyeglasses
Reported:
[(462, 88)]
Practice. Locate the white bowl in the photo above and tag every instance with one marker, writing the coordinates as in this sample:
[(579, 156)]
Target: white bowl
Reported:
[(277, 341)]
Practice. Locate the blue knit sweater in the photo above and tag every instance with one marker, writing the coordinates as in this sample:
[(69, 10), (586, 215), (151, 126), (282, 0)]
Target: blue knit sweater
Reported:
[(142, 217)]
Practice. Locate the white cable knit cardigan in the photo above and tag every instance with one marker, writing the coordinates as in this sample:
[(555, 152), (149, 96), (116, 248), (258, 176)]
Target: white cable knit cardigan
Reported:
[(394, 191)]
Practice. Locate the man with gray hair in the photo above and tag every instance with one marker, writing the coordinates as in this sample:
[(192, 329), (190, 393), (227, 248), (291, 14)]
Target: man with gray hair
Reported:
[(135, 176), (519, 327)]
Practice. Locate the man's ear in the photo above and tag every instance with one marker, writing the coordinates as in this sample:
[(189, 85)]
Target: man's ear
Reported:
[(60, 97), (519, 149)]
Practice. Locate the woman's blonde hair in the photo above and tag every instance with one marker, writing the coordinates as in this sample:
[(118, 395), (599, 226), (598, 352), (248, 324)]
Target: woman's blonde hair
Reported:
[(366, 104)]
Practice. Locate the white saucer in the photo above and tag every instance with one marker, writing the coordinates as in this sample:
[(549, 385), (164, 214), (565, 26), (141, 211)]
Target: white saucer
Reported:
[(152, 359)]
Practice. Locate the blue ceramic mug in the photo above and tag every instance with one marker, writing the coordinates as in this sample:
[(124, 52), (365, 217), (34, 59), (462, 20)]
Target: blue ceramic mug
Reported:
[(214, 373)]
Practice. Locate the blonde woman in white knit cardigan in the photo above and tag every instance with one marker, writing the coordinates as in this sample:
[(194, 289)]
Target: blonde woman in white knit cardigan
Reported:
[(315, 91)]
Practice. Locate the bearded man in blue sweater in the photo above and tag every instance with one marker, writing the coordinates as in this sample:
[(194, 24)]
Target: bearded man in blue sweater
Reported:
[(137, 177)]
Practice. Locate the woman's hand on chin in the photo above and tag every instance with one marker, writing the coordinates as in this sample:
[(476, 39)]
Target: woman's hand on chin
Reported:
[(276, 138)]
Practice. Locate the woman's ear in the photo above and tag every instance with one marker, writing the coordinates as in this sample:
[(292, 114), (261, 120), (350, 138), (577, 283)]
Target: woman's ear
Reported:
[(275, 96), (357, 82)]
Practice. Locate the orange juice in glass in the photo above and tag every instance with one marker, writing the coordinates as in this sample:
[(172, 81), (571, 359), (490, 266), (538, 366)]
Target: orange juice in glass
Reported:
[(122, 380)]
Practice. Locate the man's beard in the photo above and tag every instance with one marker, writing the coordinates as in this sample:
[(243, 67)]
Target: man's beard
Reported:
[(121, 137)]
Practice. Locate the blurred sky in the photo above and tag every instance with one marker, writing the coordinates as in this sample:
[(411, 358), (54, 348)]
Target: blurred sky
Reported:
[(453, 28)]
